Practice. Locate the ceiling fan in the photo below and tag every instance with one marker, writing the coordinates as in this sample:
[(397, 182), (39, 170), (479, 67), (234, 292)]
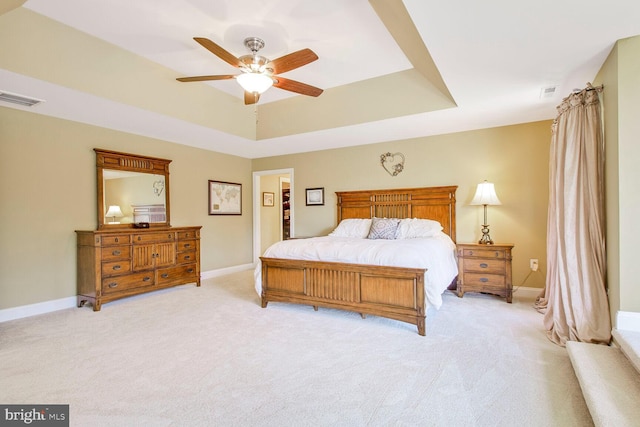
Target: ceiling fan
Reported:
[(259, 73)]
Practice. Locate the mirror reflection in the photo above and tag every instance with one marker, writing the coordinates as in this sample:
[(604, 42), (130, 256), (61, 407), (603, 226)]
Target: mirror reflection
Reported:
[(132, 197)]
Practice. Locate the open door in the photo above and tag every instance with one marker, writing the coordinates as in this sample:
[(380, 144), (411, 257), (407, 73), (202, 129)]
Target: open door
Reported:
[(269, 219)]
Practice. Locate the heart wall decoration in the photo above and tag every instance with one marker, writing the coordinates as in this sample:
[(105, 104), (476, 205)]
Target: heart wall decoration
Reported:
[(158, 186), (393, 163)]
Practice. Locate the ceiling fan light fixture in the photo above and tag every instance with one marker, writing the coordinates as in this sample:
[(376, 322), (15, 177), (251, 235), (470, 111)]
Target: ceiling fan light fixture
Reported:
[(254, 82)]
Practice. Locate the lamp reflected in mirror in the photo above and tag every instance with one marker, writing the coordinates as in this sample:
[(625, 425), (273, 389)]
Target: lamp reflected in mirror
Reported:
[(114, 212), (485, 196)]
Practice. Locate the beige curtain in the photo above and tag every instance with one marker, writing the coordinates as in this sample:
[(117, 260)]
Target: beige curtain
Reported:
[(574, 301)]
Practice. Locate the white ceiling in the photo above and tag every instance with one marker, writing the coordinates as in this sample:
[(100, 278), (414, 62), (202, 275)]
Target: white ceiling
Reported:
[(494, 57)]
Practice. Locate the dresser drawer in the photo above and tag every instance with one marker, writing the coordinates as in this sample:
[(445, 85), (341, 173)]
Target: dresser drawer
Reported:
[(116, 267), (180, 273), (154, 237), (116, 239), (485, 266), (182, 235), (186, 257), (117, 284), (186, 245), (484, 253), (113, 253)]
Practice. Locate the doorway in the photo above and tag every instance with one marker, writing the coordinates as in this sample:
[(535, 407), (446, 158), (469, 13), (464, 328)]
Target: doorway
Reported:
[(268, 221)]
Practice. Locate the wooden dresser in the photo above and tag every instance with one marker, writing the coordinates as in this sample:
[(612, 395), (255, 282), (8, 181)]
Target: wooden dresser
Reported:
[(118, 263), (485, 268)]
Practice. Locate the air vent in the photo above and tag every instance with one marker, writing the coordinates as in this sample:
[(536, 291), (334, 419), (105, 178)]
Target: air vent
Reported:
[(548, 92), (14, 98)]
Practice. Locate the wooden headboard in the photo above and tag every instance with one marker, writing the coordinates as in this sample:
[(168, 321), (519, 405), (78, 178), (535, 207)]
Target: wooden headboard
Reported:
[(436, 203)]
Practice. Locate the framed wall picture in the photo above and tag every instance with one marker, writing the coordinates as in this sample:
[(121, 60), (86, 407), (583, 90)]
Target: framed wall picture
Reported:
[(225, 198), (315, 196), (267, 199)]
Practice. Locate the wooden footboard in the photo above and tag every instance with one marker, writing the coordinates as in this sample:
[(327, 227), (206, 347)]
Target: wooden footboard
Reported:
[(391, 292)]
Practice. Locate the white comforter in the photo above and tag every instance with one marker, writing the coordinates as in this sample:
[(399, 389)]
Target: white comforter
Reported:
[(435, 254)]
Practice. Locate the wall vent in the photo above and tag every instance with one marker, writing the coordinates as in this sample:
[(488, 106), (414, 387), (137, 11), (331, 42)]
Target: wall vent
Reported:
[(14, 98), (548, 92)]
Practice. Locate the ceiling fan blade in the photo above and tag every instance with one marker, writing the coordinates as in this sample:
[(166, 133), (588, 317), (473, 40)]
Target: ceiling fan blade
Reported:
[(292, 61), (297, 87), (219, 51), (205, 78), (251, 98)]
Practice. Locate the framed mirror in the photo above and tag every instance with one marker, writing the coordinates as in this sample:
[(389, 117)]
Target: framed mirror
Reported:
[(132, 190)]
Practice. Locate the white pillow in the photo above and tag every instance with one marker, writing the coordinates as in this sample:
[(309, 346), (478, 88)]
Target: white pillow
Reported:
[(411, 228), (354, 227)]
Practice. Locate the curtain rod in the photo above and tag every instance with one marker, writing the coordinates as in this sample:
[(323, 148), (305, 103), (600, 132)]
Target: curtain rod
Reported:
[(589, 88)]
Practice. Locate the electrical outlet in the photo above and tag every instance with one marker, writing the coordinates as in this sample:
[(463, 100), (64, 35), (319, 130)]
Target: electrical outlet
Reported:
[(533, 264)]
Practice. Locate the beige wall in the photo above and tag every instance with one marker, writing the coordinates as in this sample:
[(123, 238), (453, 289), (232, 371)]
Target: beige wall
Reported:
[(620, 75), (515, 158), (47, 170), (48, 190)]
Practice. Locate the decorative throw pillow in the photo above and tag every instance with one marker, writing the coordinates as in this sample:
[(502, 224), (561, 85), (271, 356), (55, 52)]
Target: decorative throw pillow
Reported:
[(383, 228), (354, 227), (411, 228)]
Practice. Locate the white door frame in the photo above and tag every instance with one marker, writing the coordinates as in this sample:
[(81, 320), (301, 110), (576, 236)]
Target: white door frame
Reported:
[(257, 201)]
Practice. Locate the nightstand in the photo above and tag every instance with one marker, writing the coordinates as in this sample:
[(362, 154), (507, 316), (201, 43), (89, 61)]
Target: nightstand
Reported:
[(485, 268)]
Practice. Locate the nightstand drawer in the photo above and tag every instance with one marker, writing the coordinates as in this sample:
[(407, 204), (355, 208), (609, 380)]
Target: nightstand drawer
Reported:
[(484, 253), (484, 280), (484, 266)]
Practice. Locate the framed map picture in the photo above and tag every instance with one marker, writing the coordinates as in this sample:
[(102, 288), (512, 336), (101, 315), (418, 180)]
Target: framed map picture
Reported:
[(225, 198)]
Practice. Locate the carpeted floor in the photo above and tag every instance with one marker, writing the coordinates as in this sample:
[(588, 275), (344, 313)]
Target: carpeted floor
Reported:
[(211, 356)]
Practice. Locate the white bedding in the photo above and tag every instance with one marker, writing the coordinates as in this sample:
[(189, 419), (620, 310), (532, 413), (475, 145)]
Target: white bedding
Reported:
[(435, 254)]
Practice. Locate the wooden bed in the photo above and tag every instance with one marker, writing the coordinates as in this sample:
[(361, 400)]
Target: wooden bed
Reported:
[(391, 292)]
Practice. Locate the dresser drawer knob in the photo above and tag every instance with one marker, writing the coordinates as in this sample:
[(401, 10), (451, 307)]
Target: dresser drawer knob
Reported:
[(113, 285), (484, 265), (117, 267), (116, 253), (187, 245), (484, 279), (117, 240), (146, 279), (190, 270), (471, 253), (165, 275), (187, 257), (497, 254)]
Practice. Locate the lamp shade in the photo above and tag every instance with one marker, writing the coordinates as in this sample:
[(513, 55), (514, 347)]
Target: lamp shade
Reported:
[(485, 195), (254, 82), (114, 211)]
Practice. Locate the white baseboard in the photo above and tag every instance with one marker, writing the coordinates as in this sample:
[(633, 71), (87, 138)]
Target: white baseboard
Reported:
[(29, 310), (224, 271), (628, 321), (529, 293), (35, 309)]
